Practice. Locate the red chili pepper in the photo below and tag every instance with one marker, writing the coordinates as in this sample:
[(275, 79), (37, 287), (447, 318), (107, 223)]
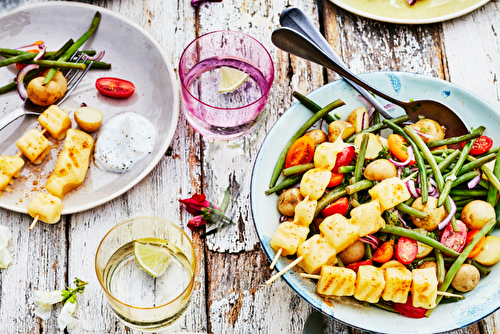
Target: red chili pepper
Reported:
[(409, 310), (355, 266)]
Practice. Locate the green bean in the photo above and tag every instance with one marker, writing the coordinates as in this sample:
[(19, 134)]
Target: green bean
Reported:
[(17, 59), (464, 177), (377, 127), (75, 46), (346, 169), (454, 172), (454, 140), (489, 174), (460, 198), (410, 201), (358, 172), (58, 64), (404, 232), (460, 260), (462, 202), (368, 251), (485, 184), (442, 150), (281, 160), (339, 262), (483, 270), (469, 192), (411, 211), (309, 104), (447, 299), (385, 306), (448, 160), (476, 163), (329, 198), (284, 184), (493, 150), (441, 272), (297, 169), (418, 157), (358, 186)]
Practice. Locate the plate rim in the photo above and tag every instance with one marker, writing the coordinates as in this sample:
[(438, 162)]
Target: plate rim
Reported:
[(342, 4), (266, 249), (175, 110)]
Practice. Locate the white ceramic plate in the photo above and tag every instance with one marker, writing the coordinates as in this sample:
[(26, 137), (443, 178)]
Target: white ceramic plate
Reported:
[(480, 302), (134, 56), (398, 11)]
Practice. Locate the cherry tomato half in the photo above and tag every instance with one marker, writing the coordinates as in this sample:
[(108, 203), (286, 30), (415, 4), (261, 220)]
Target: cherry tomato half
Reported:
[(482, 144), (114, 87), (335, 180), (355, 266), (406, 250), (407, 309), (398, 147), (340, 206), (384, 253), (455, 240), (301, 152), (344, 158), (479, 246)]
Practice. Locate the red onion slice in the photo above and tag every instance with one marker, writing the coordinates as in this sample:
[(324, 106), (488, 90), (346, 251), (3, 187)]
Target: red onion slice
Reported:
[(410, 184), (30, 47), (402, 220), (472, 183), (422, 134), (390, 107), (20, 80), (407, 161), (411, 2), (98, 56), (42, 49), (450, 215), (371, 240)]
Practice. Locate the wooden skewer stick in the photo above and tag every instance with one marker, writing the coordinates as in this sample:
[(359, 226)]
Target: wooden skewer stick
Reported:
[(34, 222), (304, 275), (290, 266), (276, 257)]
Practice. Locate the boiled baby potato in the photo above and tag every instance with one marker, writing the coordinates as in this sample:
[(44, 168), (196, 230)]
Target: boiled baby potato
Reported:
[(491, 251), (89, 119), (353, 253), (374, 145), (476, 214), (433, 130), (288, 200), (336, 128), (436, 215), (46, 95), (379, 170), (318, 136), (359, 118), (466, 278)]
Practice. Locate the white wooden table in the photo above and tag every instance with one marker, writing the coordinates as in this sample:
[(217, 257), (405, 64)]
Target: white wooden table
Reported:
[(229, 296)]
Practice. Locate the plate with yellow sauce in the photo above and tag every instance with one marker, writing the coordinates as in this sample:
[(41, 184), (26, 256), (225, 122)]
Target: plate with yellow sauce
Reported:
[(399, 11)]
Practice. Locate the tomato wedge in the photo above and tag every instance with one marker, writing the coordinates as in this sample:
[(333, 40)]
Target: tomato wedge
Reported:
[(406, 250), (481, 145), (335, 180), (385, 252), (398, 147), (344, 158), (301, 152), (355, 266), (455, 240), (409, 310), (340, 206), (479, 247), (115, 87)]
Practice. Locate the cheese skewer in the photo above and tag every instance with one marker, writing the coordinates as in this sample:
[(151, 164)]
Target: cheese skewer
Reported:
[(276, 257), (34, 222), (284, 270)]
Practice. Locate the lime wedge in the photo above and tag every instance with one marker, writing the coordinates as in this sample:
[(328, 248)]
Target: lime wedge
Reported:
[(231, 79), (5, 258), (153, 258)]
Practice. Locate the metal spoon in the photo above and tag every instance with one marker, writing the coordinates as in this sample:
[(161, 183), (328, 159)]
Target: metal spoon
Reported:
[(297, 44), (295, 19)]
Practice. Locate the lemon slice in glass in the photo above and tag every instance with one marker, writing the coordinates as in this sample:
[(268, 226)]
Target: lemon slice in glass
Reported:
[(231, 79), (153, 258)]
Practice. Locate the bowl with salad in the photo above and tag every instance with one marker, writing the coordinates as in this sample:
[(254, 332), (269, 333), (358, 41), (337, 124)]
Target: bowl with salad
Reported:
[(388, 225)]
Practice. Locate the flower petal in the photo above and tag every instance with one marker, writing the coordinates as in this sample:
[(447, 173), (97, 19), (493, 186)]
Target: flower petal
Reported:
[(196, 222), (65, 318), (195, 203), (43, 311)]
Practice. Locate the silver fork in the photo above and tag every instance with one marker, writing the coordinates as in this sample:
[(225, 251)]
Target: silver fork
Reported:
[(30, 109)]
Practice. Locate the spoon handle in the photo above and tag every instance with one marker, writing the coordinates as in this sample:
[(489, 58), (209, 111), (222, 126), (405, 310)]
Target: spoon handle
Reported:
[(295, 19), (297, 44)]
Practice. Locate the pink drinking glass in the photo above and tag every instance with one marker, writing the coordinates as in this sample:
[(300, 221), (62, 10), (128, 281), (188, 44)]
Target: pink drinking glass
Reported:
[(228, 115)]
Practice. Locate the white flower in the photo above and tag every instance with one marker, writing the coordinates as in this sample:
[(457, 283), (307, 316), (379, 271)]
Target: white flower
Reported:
[(5, 258), (65, 319), (5, 236), (44, 301)]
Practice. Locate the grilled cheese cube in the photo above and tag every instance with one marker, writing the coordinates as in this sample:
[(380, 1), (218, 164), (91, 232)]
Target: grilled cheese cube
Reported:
[(368, 217), (370, 284), (314, 182), (397, 284), (48, 208), (72, 164), (304, 212), (34, 146), (339, 231), (336, 281), (55, 121), (424, 288), (317, 252), (288, 237), (11, 165), (390, 192), (4, 180)]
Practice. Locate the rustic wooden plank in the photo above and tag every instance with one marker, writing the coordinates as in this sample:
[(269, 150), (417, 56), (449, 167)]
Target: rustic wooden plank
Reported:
[(240, 295)]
